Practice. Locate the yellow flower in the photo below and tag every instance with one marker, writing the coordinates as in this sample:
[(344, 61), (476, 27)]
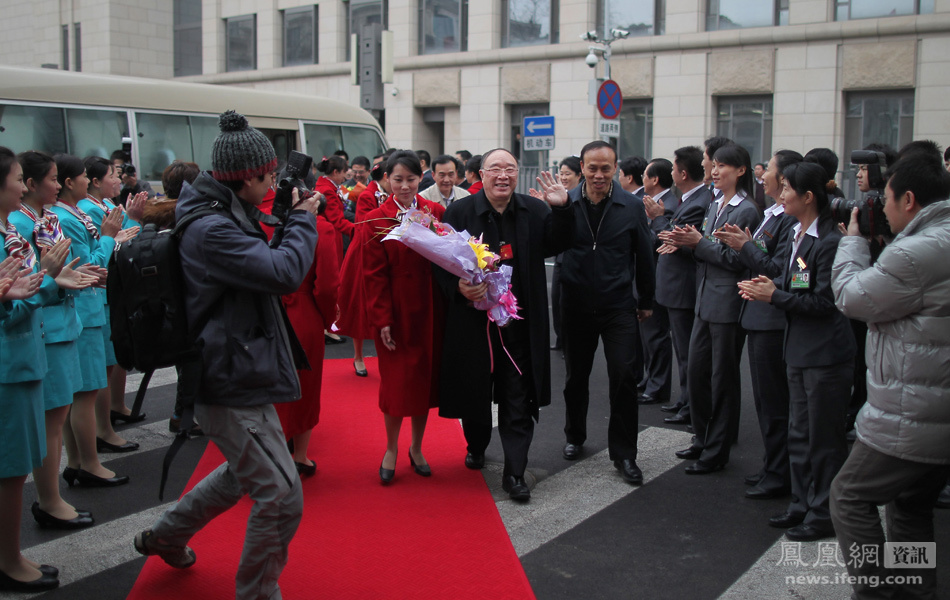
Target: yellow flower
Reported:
[(481, 252)]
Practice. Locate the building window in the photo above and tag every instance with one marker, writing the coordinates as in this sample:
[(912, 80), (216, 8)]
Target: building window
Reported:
[(747, 120), (882, 117), (77, 46), (187, 41), (241, 41), (529, 22), (360, 13), (846, 10), (300, 36), (738, 14), (443, 26), (638, 17), (636, 129), (64, 43)]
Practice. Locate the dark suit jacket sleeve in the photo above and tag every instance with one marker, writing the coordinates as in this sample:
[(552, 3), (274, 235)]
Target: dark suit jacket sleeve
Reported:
[(645, 268), (722, 255), (821, 299), (558, 229), (761, 263), (691, 215)]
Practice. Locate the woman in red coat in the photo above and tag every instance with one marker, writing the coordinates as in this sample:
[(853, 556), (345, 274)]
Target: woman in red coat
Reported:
[(334, 174), (405, 308)]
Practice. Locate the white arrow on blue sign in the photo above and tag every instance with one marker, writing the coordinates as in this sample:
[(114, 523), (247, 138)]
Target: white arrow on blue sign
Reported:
[(537, 133)]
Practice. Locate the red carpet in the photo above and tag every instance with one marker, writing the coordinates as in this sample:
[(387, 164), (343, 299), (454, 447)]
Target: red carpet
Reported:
[(438, 537)]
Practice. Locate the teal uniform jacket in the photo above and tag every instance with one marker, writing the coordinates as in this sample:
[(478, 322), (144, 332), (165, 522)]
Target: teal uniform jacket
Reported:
[(61, 320), (22, 333), (90, 301)]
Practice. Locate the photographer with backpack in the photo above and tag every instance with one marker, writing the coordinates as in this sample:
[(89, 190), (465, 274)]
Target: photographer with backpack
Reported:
[(233, 280)]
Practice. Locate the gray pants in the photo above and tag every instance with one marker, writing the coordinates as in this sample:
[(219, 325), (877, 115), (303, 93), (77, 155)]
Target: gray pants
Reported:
[(258, 465), (909, 489)]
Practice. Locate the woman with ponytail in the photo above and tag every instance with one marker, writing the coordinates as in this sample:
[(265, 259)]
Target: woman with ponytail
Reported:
[(819, 352)]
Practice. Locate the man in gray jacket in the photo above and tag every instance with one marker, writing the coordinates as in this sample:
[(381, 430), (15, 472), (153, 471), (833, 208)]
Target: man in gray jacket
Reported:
[(902, 456), (233, 282)]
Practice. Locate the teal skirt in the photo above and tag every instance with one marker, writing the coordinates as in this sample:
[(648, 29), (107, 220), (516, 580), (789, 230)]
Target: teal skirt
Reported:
[(107, 340), (64, 377), (92, 359), (22, 428)]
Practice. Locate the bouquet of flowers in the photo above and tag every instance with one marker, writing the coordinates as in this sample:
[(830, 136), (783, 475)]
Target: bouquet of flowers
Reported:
[(462, 255)]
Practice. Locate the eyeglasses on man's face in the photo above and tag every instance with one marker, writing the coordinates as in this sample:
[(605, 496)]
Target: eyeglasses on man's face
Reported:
[(498, 171)]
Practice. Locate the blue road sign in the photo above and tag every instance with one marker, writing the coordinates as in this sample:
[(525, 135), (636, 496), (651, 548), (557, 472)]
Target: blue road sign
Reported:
[(537, 133), (609, 99)]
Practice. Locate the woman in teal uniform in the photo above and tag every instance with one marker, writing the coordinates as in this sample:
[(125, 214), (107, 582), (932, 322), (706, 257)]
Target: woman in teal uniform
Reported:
[(82, 459), (38, 225), (22, 368)]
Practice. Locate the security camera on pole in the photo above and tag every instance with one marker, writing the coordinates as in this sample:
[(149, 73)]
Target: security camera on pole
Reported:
[(604, 93)]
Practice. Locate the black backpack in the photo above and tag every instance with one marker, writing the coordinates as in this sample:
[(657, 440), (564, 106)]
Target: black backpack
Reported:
[(146, 293)]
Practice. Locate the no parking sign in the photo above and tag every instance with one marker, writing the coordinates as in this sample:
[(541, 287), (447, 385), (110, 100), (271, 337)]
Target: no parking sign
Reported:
[(609, 99)]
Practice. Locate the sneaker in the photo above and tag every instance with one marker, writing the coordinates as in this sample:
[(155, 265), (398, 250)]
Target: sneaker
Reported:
[(180, 557)]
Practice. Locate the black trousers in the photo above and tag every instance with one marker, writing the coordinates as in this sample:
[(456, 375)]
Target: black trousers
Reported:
[(514, 394), (619, 331), (681, 328), (770, 392), (657, 354), (714, 387)]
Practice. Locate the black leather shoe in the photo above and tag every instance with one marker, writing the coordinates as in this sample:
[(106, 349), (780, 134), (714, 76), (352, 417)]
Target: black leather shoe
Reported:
[(102, 445), (328, 340), (516, 487), (48, 521), (305, 470), (386, 475), (690, 453), (648, 399), (809, 533), (87, 479), (671, 408), (572, 451), (759, 493), (49, 570), (677, 420), (118, 417), (701, 468), (629, 470), (786, 520), (753, 479), (360, 372), (45, 582), (475, 461), (69, 475), (424, 470)]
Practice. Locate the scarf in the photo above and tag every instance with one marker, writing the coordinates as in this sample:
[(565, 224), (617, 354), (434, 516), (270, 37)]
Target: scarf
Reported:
[(100, 203), (46, 229), (18, 247), (79, 214)]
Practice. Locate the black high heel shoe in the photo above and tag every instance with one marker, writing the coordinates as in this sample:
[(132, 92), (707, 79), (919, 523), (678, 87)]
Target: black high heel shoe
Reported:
[(48, 521), (386, 475), (102, 445), (69, 475), (116, 417), (87, 479), (423, 470), (45, 582)]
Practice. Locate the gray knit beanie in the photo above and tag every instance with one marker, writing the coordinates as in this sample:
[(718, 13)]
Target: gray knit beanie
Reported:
[(240, 152)]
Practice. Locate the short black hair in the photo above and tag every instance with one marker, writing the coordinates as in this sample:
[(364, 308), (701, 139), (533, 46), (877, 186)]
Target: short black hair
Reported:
[(406, 158), (633, 166), (342, 153), (923, 174), (946, 153), (596, 145), (329, 164), (890, 156), (918, 147), (690, 159), (464, 154), (806, 177), (714, 143), (425, 157), (444, 159), (663, 170), (360, 160), (474, 165), (120, 155), (760, 164), (571, 162)]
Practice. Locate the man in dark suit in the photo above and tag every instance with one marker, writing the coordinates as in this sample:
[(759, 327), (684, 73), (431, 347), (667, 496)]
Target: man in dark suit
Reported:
[(676, 268), (631, 175), (612, 249), (658, 200), (515, 369), (427, 179)]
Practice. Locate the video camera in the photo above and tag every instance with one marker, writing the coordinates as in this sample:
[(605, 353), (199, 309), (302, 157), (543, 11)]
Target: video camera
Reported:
[(298, 166), (871, 218)]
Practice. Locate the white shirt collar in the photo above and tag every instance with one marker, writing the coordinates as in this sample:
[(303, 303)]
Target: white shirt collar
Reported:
[(693, 191), (739, 197), (775, 209), (634, 192), (661, 194), (812, 229)]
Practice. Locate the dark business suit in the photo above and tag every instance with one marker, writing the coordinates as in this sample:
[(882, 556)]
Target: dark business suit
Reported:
[(819, 351), (676, 282), (764, 325), (655, 331), (427, 181), (717, 338)]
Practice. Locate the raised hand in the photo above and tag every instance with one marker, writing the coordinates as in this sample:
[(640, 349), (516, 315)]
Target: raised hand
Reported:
[(126, 234), (112, 223), (732, 236), (552, 191), (654, 208), (758, 288), (684, 237), (52, 259), (25, 286), (135, 206), (535, 193)]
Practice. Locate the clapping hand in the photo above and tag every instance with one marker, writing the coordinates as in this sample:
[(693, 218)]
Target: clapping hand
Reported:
[(732, 236), (683, 237), (53, 258), (23, 285), (552, 191), (100, 273), (70, 278), (126, 234), (535, 193), (112, 223), (759, 289), (654, 208), (135, 206)]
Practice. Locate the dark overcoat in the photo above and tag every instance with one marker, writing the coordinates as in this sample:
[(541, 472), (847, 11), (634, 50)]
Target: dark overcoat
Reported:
[(466, 383)]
